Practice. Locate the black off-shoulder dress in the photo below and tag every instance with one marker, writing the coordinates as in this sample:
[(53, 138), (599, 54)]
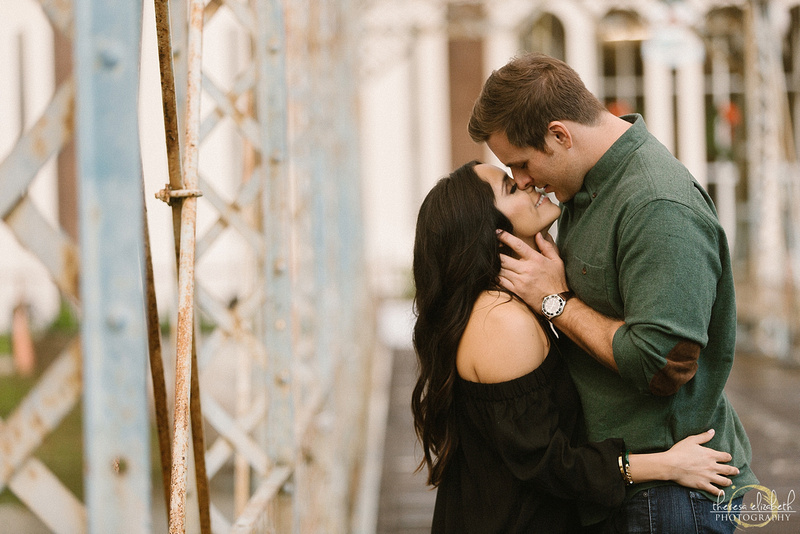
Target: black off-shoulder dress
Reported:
[(522, 463)]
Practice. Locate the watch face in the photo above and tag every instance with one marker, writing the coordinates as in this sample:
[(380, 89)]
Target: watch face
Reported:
[(551, 305)]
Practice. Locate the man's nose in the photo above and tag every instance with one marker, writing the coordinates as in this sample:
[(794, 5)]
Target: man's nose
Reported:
[(521, 178)]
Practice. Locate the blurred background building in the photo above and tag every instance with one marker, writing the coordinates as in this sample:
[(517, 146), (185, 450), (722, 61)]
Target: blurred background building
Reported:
[(716, 82), (377, 98)]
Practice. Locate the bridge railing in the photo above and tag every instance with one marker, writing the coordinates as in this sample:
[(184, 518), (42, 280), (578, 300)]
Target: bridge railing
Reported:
[(274, 338)]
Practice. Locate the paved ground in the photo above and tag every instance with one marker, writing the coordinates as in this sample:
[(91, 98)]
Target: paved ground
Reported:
[(406, 504), (765, 393)]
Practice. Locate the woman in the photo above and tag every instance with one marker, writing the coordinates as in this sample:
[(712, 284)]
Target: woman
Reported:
[(494, 407)]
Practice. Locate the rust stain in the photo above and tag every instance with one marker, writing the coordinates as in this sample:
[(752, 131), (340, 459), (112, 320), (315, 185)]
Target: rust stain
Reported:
[(70, 269), (165, 58), (76, 379), (68, 121), (185, 330), (31, 471), (39, 143)]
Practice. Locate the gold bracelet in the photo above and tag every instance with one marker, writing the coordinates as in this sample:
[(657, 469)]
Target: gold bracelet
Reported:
[(625, 468)]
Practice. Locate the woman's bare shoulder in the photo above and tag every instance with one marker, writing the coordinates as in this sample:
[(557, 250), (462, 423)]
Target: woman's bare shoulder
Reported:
[(503, 340)]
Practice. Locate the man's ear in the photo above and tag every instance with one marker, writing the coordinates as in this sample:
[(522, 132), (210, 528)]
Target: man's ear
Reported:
[(560, 133)]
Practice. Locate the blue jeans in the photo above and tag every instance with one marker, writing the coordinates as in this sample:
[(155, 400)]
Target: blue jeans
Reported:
[(670, 510)]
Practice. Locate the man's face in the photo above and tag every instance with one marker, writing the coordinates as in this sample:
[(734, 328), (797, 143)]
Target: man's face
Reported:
[(528, 211), (552, 171)]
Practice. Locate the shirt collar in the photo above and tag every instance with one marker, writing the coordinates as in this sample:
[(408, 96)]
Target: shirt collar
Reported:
[(606, 167)]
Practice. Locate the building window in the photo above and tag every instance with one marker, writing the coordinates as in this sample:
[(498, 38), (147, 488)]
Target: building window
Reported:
[(544, 34), (791, 65), (465, 58), (621, 34)]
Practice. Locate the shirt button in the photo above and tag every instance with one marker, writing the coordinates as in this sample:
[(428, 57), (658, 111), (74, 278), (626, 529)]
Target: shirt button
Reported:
[(594, 195), (583, 271)]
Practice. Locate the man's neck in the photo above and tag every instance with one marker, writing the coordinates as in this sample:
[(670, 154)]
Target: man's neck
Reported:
[(595, 140), (605, 134)]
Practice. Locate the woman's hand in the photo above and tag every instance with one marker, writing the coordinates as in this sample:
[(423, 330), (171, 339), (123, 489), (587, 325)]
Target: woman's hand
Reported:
[(688, 463), (695, 466)]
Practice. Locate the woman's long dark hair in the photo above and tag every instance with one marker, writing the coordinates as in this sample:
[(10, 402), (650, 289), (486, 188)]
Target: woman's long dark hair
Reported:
[(456, 257)]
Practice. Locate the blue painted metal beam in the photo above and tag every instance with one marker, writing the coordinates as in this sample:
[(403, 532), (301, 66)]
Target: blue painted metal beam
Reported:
[(116, 427), (272, 114)]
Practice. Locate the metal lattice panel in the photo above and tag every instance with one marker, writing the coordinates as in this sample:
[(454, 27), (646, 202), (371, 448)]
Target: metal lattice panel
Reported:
[(283, 333), (239, 328), (59, 388), (295, 341), (108, 319)]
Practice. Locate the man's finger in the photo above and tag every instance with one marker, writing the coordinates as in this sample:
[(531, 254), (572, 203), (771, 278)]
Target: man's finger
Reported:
[(547, 247), (509, 265), (514, 243), (505, 282), (549, 237), (506, 275)]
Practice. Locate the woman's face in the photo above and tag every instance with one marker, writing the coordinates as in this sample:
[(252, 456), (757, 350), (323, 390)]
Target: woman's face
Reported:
[(529, 211)]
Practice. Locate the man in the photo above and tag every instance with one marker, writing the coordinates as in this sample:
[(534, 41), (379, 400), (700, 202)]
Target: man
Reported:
[(645, 290)]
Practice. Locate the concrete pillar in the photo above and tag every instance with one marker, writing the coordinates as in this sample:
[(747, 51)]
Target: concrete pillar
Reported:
[(432, 107), (387, 170), (581, 42), (674, 47), (500, 43), (658, 106), (625, 79), (690, 90)]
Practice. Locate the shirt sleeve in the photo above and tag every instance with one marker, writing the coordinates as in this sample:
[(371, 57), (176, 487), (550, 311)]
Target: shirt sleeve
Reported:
[(669, 266), (529, 440)]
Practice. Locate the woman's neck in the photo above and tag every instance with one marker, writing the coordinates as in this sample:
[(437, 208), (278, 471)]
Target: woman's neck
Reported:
[(531, 242)]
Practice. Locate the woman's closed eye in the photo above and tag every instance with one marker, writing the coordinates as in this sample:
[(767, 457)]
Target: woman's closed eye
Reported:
[(513, 189)]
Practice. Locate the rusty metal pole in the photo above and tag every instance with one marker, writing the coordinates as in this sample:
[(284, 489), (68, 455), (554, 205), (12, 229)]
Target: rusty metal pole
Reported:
[(183, 365), (170, 113), (198, 444), (174, 195), (170, 108), (156, 362)]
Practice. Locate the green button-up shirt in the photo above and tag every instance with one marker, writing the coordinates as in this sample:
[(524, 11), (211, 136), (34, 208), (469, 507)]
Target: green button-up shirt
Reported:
[(641, 242)]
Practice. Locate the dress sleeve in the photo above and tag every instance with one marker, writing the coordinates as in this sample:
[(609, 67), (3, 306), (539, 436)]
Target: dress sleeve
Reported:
[(530, 440), (668, 279)]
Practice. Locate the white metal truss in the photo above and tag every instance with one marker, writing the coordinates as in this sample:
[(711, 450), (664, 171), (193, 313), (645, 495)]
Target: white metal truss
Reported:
[(290, 420), (59, 389)]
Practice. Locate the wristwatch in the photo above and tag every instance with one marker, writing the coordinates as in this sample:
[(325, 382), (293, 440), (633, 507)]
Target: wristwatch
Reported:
[(553, 305)]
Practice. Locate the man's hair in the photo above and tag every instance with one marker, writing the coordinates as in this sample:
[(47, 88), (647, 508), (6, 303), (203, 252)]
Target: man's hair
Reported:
[(525, 95)]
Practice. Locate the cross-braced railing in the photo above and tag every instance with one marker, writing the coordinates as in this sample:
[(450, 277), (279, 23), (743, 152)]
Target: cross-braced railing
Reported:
[(104, 287), (286, 417)]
